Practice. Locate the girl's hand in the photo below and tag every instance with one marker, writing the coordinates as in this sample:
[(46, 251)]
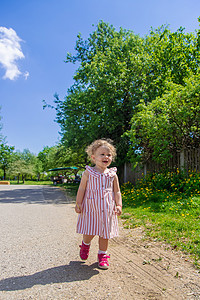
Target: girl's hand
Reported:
[(118, 210), (78, 208)]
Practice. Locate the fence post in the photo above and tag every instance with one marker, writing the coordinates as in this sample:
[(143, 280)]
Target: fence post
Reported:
[(182, 160), (125, 173), (145, 170)]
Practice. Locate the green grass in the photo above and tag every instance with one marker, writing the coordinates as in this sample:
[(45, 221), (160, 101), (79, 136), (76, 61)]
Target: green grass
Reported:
[(166, 214), (32, 182)]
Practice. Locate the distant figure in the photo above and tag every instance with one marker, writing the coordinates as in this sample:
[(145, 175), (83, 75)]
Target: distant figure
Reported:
[(99, 201)]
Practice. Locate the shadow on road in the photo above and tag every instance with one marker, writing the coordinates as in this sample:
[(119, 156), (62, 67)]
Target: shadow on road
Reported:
[(75, 271), (35, 195)]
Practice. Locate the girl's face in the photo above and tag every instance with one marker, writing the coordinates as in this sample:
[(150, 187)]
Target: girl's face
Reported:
[(102, 157)]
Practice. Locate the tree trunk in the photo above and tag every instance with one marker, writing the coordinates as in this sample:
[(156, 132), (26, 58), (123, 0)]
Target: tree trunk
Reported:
[(4, 173)]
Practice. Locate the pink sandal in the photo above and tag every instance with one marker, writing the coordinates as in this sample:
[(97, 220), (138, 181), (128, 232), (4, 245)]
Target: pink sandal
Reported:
[(84, 251), (103, 261)]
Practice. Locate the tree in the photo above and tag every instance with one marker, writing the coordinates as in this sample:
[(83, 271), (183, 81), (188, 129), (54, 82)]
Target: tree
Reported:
[(38, 169), (116, 70), (60, 156), (169, 57), (6, 157), (43, 158), (63, 156), (167, 124), (24, 164), (106, 88), (19, 167)]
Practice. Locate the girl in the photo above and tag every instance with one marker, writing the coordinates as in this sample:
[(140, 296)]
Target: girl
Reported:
[(99, 201)]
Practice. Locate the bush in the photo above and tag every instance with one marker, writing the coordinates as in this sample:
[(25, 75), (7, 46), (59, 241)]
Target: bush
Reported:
[(178, 181)]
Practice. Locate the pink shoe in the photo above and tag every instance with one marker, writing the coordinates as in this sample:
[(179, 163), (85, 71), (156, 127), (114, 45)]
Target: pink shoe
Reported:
[(84, 251), (103, 261)]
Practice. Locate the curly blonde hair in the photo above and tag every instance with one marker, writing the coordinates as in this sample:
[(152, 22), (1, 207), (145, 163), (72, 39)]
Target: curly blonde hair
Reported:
[(92, 148)]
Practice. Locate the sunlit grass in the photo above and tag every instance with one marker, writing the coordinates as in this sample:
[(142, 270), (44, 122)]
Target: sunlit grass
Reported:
[(166, 213), (32, 182)]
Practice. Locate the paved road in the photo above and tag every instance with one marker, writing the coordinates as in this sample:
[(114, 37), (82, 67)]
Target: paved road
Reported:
[(34, 194), (38, 243), (40, 249), (39, 256)]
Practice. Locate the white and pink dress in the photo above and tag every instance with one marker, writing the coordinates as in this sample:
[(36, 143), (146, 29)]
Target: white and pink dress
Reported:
[(98, 215)]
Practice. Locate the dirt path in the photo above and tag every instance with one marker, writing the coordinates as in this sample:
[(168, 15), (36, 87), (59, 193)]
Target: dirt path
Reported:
[(40, 256)]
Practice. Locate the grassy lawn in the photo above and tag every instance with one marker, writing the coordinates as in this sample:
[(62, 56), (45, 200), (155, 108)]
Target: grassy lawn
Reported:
[(171, 213), (32, 182)]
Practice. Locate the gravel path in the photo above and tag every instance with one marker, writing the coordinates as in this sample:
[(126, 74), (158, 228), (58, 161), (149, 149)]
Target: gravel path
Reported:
[(40, 255)]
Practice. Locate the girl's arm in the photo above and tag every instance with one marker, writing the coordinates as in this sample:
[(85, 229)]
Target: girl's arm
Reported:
[(118, 197), (81, 192)]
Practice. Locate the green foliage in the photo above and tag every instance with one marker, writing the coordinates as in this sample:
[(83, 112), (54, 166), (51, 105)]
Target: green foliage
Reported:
[(106, 89), (43, 157), (19, 167), (170, 57), (6, 157), (60, 156), (168, 206), (116, 69), (167, 124), (23, 164), (179, 181)]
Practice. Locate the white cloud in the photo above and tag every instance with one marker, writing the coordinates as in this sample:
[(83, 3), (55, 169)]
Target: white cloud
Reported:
[(10, 52)]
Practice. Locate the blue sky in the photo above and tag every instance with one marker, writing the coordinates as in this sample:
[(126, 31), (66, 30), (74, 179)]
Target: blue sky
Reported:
[(35, 36)]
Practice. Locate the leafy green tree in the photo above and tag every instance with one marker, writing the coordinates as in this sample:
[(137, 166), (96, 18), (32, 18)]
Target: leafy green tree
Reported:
[(6, 157), (43, 158), (167, 124), (169, 57), (106, 88), (63, 156), (27, 156), (38, 170), (24, 163), (20, 167), (116, 69), (31, 163), (60, 156)]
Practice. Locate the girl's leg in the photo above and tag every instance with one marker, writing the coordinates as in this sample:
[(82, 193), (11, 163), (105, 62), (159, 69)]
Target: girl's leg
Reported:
[(103, 244), (87, 238), (85, 246), (102, 254)]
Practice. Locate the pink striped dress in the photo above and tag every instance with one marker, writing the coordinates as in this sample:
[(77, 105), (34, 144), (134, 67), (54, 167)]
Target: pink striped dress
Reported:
[(98, 215)]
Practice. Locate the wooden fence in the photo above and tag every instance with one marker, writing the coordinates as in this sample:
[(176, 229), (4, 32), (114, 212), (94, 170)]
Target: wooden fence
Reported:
[(188, 159)]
